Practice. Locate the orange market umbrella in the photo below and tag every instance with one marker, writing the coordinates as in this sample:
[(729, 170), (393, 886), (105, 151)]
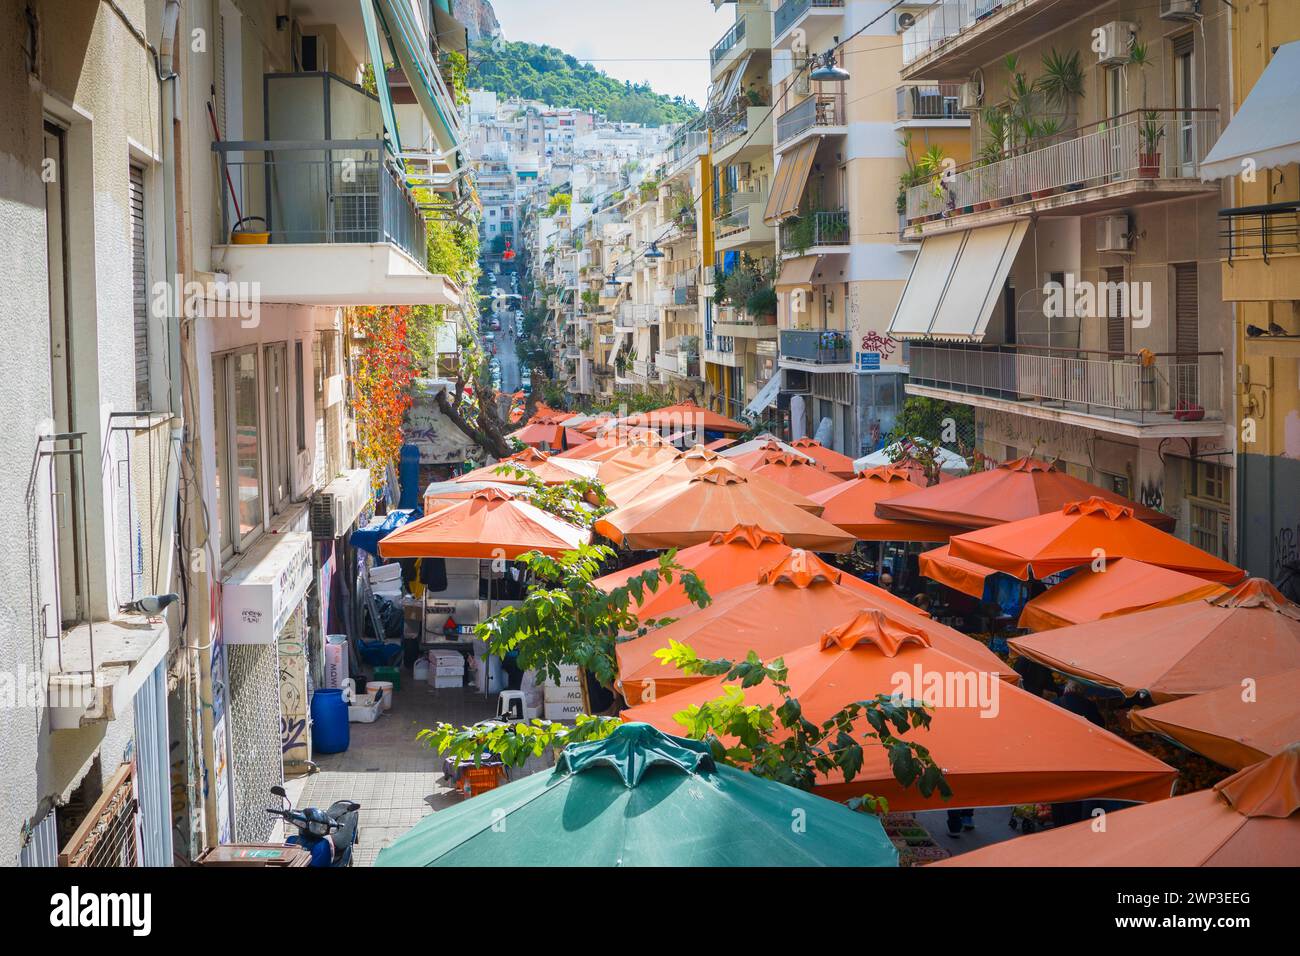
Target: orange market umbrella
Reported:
[(1012, 491), (490, 524), (686, 416), (669, 473), (1248, 819), (551, 434), (996, 743), (1125, 586), (1077, 535), (751, 454), (960, 575), (633, 459), (530, 459), (606, 444), (782, 609), (1251, 631), (851, 505), (797, 474), (1234, 725), (841, 466), (692, 511)]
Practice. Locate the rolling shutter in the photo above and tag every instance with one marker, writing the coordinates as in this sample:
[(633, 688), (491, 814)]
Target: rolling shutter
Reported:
[(1116, 312), (1187, 336), (139, 289)]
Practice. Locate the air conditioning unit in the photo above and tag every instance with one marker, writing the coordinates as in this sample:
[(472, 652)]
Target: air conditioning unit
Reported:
[(1116, 38), (970, 97), (1179, 9), (904, 21), (1113, 234)]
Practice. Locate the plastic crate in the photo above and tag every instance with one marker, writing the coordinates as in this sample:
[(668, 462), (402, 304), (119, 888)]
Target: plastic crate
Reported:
[(482, 779)]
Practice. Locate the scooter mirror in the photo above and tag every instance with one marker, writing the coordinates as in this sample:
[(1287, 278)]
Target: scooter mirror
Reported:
[(279, 792)]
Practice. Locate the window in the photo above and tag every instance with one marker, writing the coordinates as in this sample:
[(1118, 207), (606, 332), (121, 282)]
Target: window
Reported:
[(1187, 334), (237, 434), (278, 469), (1184, 140), (1116, 306)]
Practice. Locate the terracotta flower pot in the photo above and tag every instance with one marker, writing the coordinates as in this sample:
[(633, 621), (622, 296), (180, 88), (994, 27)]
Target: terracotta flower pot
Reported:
[(1148, 165)]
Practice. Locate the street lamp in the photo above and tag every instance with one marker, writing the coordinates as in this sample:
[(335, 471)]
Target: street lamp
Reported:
[(828, 71), (653, 252)]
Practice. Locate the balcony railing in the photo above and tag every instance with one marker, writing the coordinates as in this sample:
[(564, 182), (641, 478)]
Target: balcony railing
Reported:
[(930, 101), (319, 191), (685, 289), (818, 110), (732, 223), (632, 315), (942, 22), (1144, 389), (1113, 151), (827, 228), (790, 11), (1260, 232), (818, 346), (729, 40)]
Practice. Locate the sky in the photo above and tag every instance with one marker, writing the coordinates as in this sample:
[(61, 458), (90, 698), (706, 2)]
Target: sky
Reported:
[(665, 42)]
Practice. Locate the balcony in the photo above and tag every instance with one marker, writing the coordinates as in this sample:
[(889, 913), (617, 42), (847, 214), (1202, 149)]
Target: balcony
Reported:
[(815, 347), (1260, 246), (685, 291), (1106, 166), (820, 114), (633, 315), (816, 231), (742, 132), (795, 13), (1123, 393), (921, 102), (741, 229), (738, 327), (955, 36), (750, 32), (690, 143)]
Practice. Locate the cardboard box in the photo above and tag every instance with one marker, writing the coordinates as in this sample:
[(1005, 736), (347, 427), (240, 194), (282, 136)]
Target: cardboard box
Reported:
[(566, 710), (561, 695)]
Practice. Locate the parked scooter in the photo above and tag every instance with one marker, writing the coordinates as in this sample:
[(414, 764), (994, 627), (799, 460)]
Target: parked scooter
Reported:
[(328, 835)]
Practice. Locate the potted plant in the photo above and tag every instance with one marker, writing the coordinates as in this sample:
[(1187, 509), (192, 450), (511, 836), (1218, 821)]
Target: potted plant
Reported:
[(1150, 131)]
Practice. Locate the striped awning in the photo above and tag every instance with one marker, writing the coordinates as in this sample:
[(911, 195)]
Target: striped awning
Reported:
[(788, 186)]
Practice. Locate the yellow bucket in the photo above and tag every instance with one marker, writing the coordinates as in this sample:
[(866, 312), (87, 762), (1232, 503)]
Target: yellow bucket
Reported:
[(241, 235)]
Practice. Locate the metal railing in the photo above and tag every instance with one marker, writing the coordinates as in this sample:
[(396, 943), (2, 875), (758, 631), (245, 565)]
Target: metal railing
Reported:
[(942, 22), (930, 101), (318, 191), (1133, 387), (686, 288), (818, 110), (790, 11), (1255, 232), (819, 346), (826, 228), (728, 41), (633, 315), (730, 125), (1115, 150), (732, 223)]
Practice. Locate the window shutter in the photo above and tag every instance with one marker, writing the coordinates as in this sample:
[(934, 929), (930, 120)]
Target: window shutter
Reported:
[(219, 70), (1187, 338), (1116, 312), (139, 289)]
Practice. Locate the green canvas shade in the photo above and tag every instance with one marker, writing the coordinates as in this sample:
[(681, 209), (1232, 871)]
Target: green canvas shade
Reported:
[(643, 798)]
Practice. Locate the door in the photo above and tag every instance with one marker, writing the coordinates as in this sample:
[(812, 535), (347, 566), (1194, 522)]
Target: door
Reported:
[(1185, 377), (1182, 132)]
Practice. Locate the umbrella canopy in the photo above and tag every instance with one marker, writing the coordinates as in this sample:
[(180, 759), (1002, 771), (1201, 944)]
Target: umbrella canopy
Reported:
[(1230, 725), (783, 609), (1077, 535), (756, 453), (633, 487), (1251, 631), (551, 470), (851, 505), (794, 472), (633, 459), (1125, 586), (841, 466), (726, 560), (685, 416), (720, 443), (1010, 492), (488, 524), (761, 443), (692, 511), (642, 798), (1248, 819), (957, 573), (609, 443), (996, 743), (549, 432), (950, 463)]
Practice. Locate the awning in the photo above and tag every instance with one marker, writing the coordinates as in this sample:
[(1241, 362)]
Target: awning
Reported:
[(791, 177), (956, 282), (1258, 133), (796, 273), (765, 397), (412, 54), (732, 87)]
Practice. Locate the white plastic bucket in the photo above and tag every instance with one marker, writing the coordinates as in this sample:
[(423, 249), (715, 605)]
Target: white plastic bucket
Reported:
[(386, 687)]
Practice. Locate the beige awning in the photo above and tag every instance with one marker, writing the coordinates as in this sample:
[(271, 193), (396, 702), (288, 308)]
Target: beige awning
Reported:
[(791, 177), (956, 282), (796, 273)]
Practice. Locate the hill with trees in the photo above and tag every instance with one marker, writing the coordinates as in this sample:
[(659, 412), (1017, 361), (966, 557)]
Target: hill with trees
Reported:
[(532, 72)]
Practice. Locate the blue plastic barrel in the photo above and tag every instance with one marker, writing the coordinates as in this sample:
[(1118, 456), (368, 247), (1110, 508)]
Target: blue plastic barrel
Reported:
[(329, 721)]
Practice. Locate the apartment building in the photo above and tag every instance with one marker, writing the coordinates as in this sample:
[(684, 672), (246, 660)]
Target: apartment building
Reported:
[(1068, 285), (217, 186), (1259, 248)]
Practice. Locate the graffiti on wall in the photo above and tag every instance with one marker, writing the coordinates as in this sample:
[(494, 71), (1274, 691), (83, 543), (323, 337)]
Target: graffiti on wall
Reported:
[(295, 741)]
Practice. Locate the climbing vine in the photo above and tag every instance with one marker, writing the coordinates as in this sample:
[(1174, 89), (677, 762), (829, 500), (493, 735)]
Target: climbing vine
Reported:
[(385, 368)]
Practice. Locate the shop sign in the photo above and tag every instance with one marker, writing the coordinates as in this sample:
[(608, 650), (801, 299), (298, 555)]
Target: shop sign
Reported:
[(266, 588)]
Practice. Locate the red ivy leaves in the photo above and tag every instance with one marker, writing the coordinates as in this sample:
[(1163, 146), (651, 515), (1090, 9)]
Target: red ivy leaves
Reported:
[(382, 394)]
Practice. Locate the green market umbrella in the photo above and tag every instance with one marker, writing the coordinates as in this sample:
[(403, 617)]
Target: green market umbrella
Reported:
[(643, 798)]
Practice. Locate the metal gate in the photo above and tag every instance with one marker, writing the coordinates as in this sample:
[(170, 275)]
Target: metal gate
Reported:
[(152, 768), (253, 675), (108, 836)]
